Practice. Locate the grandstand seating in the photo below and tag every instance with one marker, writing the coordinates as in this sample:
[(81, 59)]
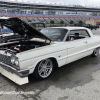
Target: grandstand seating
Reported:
[(55, 21), (57, 18), (24, 15), (47, 18), (6, 15), (18, 15), (12, 14), (1, 15), (41, 18)]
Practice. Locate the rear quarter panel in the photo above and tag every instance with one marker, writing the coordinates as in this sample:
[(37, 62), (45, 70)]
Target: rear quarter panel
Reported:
[(93, 42)]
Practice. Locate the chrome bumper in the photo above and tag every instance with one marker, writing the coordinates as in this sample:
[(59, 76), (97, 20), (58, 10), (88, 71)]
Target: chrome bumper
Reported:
[(20, 73)]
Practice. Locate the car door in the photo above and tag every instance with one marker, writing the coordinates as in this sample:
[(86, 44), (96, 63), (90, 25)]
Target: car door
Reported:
[(76, 45)]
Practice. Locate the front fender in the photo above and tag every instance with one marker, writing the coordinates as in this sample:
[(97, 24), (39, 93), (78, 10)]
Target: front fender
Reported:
[(33, 62)]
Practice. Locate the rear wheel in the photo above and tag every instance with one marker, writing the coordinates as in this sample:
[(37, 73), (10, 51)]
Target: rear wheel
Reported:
[(43, 69), (96, 52)]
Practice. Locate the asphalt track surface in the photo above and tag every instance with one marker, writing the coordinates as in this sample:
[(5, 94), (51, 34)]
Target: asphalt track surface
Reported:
[(79, 80)]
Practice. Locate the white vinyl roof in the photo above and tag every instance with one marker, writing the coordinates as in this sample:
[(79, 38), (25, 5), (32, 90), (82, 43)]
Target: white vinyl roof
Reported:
[(76, 28)]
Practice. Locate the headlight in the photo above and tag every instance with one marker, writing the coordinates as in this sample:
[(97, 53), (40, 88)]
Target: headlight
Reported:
[(16, 62), (13, 59)]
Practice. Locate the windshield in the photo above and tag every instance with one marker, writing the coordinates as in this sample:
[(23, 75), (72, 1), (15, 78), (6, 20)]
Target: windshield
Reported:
[(55, 34)]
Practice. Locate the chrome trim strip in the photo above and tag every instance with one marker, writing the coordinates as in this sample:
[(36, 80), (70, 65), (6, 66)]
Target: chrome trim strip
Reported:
[(52, 52), (77, 53), (43, 54)]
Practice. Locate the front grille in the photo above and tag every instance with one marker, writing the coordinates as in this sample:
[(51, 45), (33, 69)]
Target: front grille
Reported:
[(5, 59)]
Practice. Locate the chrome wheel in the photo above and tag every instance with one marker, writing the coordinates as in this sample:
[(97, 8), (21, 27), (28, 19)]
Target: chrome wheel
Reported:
[(45, 68), (97, 52)]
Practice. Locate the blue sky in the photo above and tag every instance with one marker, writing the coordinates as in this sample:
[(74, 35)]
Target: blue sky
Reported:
[(93, 3)]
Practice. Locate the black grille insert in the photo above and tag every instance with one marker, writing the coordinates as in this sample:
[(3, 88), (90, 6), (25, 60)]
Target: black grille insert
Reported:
[(5, 59)]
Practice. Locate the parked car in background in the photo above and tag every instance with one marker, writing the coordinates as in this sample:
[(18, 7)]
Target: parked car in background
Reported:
[(38, 25), (39, 52), (91, 26)]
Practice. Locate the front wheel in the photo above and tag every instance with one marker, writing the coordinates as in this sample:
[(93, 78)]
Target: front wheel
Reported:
[(43, 69), (96, 52)]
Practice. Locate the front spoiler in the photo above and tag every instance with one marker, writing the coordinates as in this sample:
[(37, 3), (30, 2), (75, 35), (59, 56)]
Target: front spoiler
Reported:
[(13, 74)]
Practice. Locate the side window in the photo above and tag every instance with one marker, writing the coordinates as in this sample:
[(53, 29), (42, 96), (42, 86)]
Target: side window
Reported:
[(77, 34)]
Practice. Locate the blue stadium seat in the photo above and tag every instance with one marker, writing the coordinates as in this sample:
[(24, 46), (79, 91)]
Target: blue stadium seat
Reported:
[(12, 14), (24, 15), (47, 16), (35, 15), (6, 14), (41, 16), (1, 15), (18, 15)]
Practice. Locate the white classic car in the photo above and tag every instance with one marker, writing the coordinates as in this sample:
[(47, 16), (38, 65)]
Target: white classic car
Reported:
[(39, 52)]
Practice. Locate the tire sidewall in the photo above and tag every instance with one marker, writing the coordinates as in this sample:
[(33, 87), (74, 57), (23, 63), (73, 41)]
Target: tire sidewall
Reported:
[(36, 73), (96, 50)]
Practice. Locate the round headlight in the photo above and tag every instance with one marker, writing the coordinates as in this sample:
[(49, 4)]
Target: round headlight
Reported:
[(16, 62), (13, 60)]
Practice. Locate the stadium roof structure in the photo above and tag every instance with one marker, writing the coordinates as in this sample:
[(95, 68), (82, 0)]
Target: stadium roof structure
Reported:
[(41, 6)]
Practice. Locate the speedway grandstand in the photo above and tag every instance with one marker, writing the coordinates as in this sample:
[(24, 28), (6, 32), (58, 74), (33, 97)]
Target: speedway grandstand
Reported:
[(47, 12)]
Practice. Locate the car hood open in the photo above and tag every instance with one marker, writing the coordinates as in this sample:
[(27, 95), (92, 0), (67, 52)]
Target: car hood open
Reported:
[(22, 28)]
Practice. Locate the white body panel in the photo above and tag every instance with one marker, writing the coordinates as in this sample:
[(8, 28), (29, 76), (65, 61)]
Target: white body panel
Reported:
[(63, 52), (76, 49)]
